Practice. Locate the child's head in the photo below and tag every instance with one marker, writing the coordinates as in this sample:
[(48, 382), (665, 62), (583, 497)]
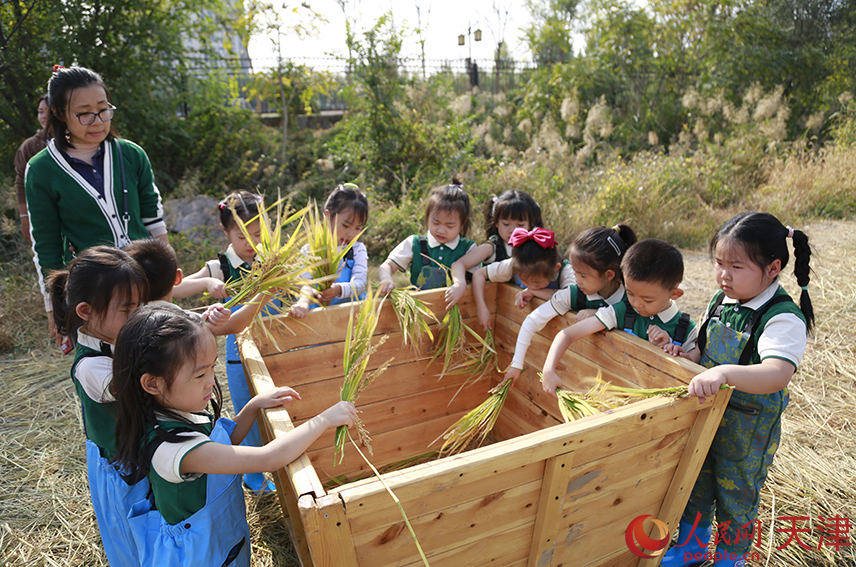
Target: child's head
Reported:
[(751, 250), (158, 260), (596, 256), (75, 95), (513, 209), (653, 269), (447, 212), (163, 363), (534, 257), (97, 292), (247, 207), (347, 210)]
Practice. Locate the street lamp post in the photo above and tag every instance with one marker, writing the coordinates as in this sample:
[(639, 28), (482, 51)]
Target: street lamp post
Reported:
[(472, 67)]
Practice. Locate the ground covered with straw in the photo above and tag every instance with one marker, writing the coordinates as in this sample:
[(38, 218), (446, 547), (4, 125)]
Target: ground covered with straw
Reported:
[(46, 518)]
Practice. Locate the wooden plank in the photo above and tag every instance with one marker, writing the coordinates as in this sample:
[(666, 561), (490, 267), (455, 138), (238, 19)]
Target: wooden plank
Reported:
[(372, 512), (328, 532), (529, 412), (607, 541), (629, 426), (701, 437), (457, 525), (508, 549), (550, 503), (330, 324)]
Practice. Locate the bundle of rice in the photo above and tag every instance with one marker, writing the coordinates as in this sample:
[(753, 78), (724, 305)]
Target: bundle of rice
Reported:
[(412, 314), (358, 350), (324, 253), (473, 428)]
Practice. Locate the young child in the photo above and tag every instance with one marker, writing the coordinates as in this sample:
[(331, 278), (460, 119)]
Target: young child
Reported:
[(92, 298), (164, 381), (595, 256), (158, 260), (513, 209), (234, 264), (447, 218), (753, 338), (346, 211), (534, 261), (652, 270)]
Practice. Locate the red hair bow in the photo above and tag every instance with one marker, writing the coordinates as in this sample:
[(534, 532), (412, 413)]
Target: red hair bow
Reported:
[(545, 238)]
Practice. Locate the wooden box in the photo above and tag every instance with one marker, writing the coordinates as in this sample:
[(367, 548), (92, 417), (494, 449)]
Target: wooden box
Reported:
[(545, 494)]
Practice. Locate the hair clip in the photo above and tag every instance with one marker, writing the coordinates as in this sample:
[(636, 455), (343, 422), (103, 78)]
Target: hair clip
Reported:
[(543, 237), (614, 245), (56, 68)]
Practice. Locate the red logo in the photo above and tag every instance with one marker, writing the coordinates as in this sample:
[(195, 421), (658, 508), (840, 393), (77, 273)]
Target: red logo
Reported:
[(636, 533)]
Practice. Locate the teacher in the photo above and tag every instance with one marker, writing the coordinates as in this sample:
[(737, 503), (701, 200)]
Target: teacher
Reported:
[(88, 186)]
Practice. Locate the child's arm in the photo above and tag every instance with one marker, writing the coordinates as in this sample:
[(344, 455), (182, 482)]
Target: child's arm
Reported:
[(242, 318), (479, 278), (471, 259), (533, 323), (544, 294), (189, 287), (247, 416), (215, 458), (300, 308), (384, 274), (563, 340), (772, 375)]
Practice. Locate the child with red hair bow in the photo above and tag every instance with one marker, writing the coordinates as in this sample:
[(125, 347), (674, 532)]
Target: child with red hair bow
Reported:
[(534, 263)]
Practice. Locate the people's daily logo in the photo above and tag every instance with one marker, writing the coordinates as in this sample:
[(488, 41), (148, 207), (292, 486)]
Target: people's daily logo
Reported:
[(638, 540)]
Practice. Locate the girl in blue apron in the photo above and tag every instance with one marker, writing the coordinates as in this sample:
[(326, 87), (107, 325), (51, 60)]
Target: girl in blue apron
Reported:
[(535, 265), (164, 384), (346, 210), (429, 257), (753, 339), (234, 264), (91, 300), (513, 209), (596, 262)]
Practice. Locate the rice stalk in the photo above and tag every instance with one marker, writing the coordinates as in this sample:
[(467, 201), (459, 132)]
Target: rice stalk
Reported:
[(358, 350), (324, 253), (412, 314), (476, 424), (279, 264), (475, 363), (632, 394)]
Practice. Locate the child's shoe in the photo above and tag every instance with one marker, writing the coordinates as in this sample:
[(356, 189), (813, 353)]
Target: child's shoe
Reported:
[(684, 556), (257, 482)]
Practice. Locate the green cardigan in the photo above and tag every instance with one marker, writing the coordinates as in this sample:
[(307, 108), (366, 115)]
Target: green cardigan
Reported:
[(64, 208)]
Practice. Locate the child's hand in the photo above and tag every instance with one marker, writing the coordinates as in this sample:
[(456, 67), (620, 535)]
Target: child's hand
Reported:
[(343, 413), (514, 374), (454, 293), (658, 336), (217, 289), (707, 383), (675, 350), (550, 381), (386, 286), (584, 314), (523, 298), (275, 398), (485, 319), (216, 315), (300, 309), (330, 293)]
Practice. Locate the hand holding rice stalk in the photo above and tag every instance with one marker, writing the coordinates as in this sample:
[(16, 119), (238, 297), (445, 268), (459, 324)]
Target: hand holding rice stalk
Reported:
[(575, 406), (412, 314), (325, 254), (358, 350), (632, 394), (476, 424)]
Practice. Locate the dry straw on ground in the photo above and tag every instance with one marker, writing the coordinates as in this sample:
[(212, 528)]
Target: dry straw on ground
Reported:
[(46, 518)]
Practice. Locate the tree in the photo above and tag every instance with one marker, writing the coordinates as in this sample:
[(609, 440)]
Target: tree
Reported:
[(550, 35)]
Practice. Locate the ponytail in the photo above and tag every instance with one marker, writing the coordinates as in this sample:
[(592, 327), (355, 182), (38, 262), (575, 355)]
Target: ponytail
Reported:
[(802, 271), (56, 288), (603, 248)]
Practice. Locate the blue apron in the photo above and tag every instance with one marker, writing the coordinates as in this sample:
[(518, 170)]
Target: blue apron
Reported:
[(345, 275), (742, 451), (112, 498), (216, 535)]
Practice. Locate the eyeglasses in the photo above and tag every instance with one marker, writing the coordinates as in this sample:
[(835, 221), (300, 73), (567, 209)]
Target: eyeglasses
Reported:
[(87, 118)]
